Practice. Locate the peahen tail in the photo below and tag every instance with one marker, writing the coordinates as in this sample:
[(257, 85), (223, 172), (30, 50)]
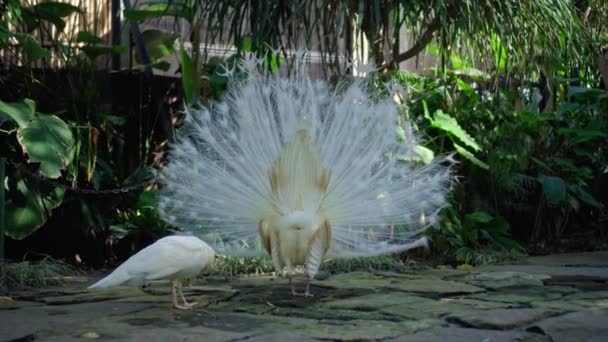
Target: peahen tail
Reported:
[(116, 278)]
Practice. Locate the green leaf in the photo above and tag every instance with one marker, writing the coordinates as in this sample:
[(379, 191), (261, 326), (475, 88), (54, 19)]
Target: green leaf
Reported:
[(187, 74), (448, 124), (463, 254), (426, 155), (468, 155), (32, 47), (158, 43), (479, 217), (162, 65), (459, 62), (21, 112), (48, 141), (94, 51), (586, 197), (159, 9), (500, 53), (541, 163), (582, 135), (474, 74), (246, 44), (554, 189), (275, 62), (421, 154), (584, 93), (400, 134), (148, 199), (509, 243), (87, 37), (119, 230), (52, 12), (25, 216), (55, 9), (114, 119)]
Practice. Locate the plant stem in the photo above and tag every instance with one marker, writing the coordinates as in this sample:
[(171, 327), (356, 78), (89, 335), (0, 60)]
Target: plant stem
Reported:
[(2, 207)]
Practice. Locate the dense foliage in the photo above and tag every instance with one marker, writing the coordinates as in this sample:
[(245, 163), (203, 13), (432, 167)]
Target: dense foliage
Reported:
[(518, 94)]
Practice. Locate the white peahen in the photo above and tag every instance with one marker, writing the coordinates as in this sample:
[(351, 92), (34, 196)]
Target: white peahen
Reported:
[(172, 257)]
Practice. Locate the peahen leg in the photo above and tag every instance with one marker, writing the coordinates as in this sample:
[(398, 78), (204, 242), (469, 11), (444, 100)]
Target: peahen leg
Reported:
[(174, 285), (181, 293)]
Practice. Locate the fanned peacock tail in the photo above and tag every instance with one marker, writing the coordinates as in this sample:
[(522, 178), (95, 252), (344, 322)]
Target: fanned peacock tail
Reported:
[(222, 177)]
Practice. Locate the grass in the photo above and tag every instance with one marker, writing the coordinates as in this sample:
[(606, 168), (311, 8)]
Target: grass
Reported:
[(492, 256), (233, 266), (41, 273)]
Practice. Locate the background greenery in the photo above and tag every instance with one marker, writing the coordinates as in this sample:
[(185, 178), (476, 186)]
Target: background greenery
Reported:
[(518, 93)]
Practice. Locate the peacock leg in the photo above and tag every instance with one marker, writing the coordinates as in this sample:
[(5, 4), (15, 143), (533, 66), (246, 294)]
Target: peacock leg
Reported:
[(276, 259), (302, 294), (307, 292), (289, 273)]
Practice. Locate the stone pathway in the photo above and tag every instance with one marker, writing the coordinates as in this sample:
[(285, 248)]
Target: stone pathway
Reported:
[(554, 298)]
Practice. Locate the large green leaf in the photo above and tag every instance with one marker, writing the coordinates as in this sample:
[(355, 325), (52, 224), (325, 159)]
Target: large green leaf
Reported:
[(32, 47), (87, 37), (554, 189), (21, 112), (586, 197), (30, 212), (49, 141), (448, 124), (52, 12)]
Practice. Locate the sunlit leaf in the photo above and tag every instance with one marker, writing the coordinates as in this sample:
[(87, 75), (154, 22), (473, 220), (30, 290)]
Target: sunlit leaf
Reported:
[(30, 211), (468, 155), (21, 112), (426, 155), (47, 140), (448, 124)]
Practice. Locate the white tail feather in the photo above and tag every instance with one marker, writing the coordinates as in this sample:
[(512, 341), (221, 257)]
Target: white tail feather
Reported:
[(217, 181)]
